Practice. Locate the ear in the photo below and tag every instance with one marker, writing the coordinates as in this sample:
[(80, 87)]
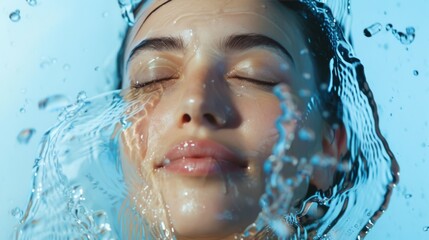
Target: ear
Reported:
[(334, 145)]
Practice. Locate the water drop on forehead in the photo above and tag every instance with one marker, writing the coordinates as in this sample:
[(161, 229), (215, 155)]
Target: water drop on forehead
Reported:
[(15, 16)]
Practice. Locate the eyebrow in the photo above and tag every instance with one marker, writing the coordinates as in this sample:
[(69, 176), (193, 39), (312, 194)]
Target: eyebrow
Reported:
[(248, 41), (158, 44), (231, 43)]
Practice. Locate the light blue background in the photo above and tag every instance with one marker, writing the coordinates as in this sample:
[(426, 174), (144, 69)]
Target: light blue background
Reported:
[(77, 36)]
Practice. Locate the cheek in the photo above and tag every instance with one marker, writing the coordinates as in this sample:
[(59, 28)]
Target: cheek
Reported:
[(259, 123)]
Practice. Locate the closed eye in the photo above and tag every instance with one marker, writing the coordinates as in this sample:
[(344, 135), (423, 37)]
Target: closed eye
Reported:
[(151, 83), (264, 83)]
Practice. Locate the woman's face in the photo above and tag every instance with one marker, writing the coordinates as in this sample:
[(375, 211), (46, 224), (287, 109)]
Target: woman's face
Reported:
[(208, 68)]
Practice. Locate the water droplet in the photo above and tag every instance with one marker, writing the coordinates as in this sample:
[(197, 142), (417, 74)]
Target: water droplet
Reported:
[(125, 124), (426, 228), (389, 27), (81, 96), (415, 73), (304, 93), (66, 67), (408, 196), (17, 213), (25, 135), (22, 110), (306, 76), (405, 38), (15, 16), (303, 51), (32, 2), (306, 134), (53, 103), (372, 30), (166, 162), (410, 30)]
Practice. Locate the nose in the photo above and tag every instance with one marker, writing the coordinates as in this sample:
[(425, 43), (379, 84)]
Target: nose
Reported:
[(207, 103)]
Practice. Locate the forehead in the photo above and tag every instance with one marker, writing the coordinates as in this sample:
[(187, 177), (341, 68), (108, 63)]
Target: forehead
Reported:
[(211, 19)]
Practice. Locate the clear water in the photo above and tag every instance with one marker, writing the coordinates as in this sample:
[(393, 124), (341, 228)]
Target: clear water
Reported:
[(79, 189)]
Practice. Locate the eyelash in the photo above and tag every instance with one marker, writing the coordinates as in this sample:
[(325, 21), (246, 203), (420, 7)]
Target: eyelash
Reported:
[(142, 85), (255, 81), (151, 82)]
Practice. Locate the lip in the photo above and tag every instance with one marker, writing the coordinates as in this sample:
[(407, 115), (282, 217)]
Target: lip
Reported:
[(201, 158)]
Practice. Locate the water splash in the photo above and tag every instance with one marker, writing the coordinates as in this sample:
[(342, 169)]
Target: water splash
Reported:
[(83, 203), (405, 38), (15, 16), (54, 103), (127, 7)]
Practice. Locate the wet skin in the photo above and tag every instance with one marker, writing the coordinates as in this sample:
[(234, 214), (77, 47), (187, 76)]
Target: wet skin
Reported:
[(209, 68)]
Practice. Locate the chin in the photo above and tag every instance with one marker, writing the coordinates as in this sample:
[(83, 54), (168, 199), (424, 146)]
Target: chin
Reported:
[(206, 209)]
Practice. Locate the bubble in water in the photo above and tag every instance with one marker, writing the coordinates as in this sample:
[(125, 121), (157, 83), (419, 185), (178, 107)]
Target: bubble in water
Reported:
[(372, 30), (32, 2), (53, 103), (25, 135), (22, 110), (415, 73), (408, 196), (97, 68), (17, 213), (426, 228), (15, 16)]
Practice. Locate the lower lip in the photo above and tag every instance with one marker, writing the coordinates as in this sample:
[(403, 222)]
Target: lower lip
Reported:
[(202, 166)]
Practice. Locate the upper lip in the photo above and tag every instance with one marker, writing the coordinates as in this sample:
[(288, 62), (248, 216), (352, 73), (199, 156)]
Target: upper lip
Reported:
[(202, 149)]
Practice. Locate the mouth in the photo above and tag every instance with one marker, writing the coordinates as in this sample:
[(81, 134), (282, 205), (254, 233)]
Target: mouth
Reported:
[(200, 158)]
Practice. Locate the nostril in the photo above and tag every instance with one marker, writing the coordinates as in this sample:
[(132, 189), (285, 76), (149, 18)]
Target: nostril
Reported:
[(210, 118), (186, 118)]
